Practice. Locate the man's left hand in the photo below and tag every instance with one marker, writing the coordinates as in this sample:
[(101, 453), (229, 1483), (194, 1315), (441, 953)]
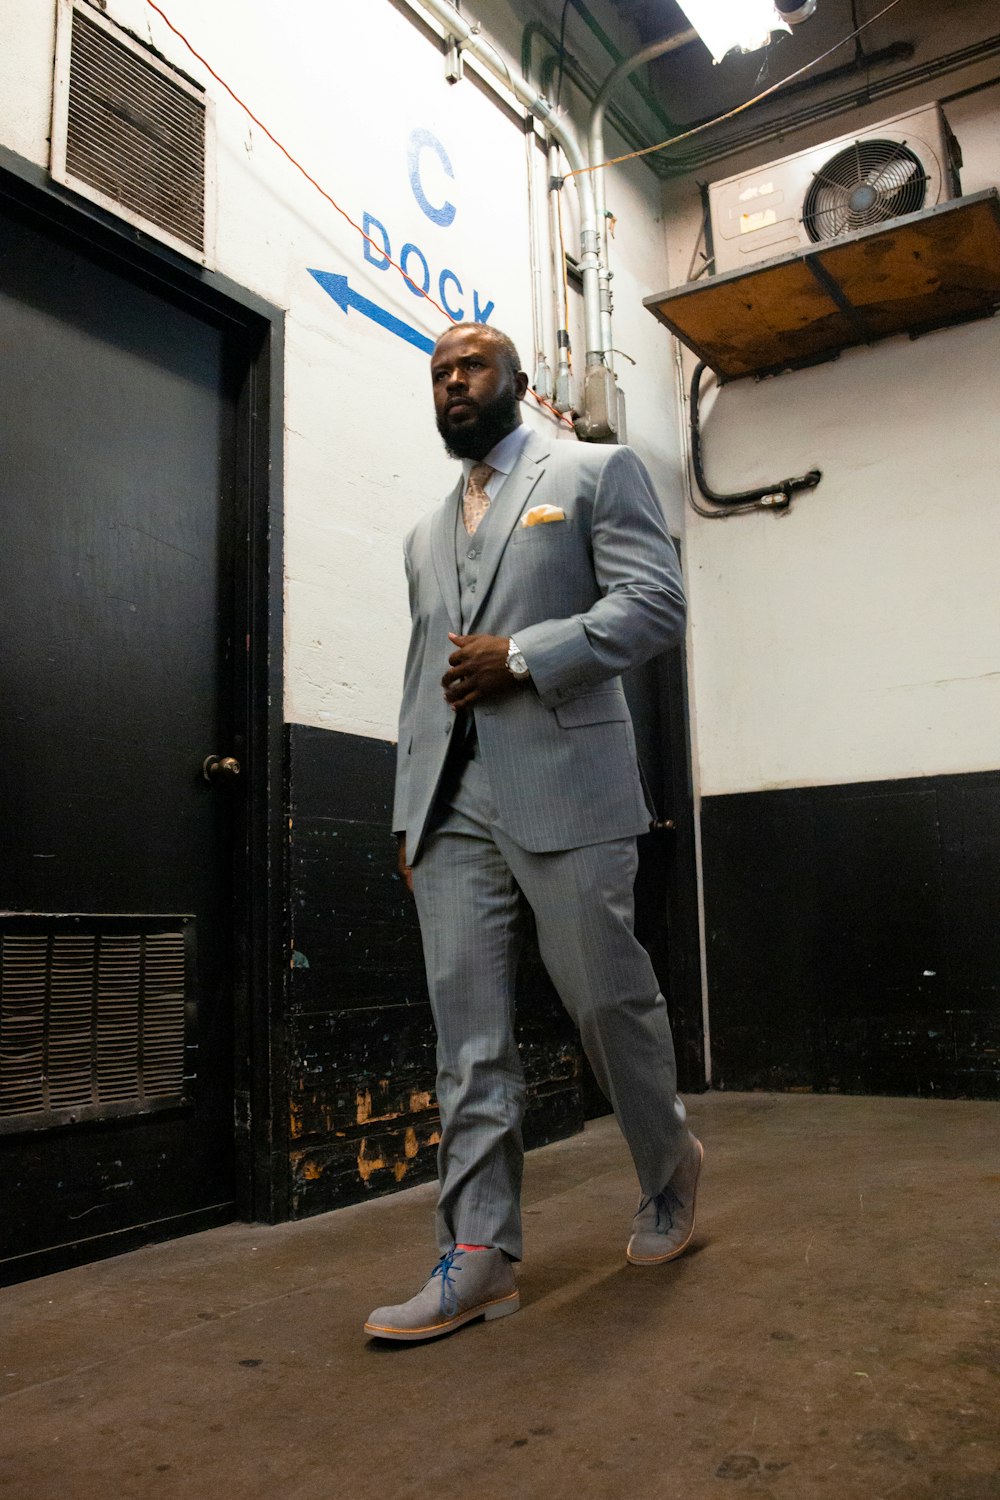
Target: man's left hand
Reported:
[(478, 669)]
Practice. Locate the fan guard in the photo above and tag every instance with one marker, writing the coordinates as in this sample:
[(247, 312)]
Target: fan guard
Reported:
[(867, 183)]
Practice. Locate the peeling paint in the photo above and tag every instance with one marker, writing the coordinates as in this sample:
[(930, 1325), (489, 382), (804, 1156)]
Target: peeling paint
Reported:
[(295, 1120), (419, 1101), (312, 1171), (367, 1165), (364, 1109), (410, 1143)]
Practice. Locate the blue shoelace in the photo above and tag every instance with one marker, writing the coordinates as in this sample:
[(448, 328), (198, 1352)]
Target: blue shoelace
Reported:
[(444, 1268), (666, 1204)]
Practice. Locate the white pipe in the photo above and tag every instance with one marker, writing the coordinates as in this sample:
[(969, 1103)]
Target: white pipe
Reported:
[(535, 251), (561, 128), (596, 147), (560, 311)]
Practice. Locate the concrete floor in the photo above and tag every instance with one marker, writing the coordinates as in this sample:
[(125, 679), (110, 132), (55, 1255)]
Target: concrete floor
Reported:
[(832, 1333)]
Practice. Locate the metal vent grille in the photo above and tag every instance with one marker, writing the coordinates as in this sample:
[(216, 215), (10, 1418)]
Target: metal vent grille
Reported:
[(130, 132), (869, 183), (93, 1017)]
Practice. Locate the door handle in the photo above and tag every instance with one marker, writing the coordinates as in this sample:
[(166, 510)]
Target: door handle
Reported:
[(220, 768)]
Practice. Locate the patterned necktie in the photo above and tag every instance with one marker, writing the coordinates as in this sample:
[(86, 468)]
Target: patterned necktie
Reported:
[(476, 502)]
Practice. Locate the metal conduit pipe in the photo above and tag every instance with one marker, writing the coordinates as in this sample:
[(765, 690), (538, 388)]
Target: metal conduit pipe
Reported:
[(538, 28), (542, 372), (557, 250), (557, 258), (596, 147), (561, 128)]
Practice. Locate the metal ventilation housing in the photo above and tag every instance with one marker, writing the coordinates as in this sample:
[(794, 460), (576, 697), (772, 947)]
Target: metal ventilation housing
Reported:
[(130, 131), (888, 170)]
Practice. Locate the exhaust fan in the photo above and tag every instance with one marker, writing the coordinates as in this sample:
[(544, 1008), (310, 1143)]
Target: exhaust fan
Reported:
[(855, 182)]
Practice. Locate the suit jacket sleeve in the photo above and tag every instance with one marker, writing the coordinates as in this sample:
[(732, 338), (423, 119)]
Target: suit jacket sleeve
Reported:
[(641, 610), (407, 707)]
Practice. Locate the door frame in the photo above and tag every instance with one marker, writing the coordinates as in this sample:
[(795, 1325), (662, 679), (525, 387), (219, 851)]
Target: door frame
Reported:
[(260, 969)]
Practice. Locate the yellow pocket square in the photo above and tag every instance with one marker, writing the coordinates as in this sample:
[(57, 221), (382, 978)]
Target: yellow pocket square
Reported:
[(540, 513)]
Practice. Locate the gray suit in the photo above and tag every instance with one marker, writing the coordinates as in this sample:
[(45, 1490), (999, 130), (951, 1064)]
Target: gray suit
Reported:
[(543, 814)]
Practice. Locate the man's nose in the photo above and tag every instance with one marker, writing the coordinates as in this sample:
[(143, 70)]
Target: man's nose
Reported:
[(456, 378)]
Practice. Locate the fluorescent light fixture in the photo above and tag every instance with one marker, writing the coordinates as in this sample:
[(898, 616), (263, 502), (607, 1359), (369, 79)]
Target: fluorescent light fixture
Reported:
[(733, 25)]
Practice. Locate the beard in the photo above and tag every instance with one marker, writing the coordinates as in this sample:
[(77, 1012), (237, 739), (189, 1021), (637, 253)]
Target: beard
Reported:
[(475, 438)]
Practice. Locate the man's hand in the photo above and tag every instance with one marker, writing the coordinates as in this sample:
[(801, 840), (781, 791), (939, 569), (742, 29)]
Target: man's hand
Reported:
[(478, 670), (403, 868)]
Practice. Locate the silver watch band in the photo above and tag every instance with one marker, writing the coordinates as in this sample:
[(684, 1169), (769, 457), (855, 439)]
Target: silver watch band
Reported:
[(515, 659)]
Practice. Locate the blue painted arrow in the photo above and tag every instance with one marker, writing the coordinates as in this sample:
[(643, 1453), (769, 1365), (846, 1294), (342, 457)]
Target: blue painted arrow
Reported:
[(342, 293)]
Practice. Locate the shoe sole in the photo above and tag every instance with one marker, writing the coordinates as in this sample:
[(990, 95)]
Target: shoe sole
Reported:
[(501, 1307), (661, 1260)]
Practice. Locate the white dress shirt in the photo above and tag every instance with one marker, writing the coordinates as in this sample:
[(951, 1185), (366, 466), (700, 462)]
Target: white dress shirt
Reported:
[(501, 458)]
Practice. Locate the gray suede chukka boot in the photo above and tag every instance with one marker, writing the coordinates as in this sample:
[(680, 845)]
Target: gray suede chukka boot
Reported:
[(465, 1284), (664, 1224)]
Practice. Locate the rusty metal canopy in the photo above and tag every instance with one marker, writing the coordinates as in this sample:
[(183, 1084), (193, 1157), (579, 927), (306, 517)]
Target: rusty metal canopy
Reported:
[(913, 274)]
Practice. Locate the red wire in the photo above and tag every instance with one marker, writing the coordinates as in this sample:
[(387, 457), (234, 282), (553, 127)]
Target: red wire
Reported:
[(321, 190)]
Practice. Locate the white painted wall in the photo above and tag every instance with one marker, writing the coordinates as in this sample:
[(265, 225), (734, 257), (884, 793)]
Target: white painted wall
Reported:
[(857, 637), (343, 84), (853, 639)]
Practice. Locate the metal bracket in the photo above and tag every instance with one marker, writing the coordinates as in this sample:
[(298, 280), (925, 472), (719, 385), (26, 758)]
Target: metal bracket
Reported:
[(454, 62)]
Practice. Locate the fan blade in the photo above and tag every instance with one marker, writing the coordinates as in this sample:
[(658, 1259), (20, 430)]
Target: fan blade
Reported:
[(901, 157)]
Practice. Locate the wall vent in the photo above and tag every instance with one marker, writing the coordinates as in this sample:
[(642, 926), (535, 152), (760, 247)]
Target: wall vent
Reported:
[(94, 1017), (130, 131)]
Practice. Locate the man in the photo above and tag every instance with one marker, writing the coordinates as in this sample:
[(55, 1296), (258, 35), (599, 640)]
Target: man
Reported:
[(546, 573)]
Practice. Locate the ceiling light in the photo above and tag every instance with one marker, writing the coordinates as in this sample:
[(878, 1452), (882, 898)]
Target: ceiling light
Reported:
[(737, 25), (794, 11)]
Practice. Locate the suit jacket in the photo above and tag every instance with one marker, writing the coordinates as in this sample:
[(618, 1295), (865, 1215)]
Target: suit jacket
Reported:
[(585, 597)]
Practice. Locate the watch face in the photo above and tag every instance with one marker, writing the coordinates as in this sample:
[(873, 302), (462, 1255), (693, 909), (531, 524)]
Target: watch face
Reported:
[(517, 664)]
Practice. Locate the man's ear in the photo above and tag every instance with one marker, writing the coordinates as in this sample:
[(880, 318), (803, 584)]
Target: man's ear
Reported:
[(520, 384)]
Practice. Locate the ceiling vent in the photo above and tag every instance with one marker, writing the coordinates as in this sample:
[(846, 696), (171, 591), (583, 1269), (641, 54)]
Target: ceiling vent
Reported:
[(130, 131), (856, 182)]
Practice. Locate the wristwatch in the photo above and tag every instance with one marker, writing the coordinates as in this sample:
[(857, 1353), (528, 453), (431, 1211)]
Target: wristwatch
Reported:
[(515, 661)]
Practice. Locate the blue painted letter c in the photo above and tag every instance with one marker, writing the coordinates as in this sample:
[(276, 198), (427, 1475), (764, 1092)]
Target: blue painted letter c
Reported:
[(423, 140)]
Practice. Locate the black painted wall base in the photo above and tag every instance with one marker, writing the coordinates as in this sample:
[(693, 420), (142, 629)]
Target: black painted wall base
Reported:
[(362, 1112), (853, 937)]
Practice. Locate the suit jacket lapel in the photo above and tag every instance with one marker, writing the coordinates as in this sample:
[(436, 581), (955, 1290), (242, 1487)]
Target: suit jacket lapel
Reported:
[(443, 553), (505, 512)]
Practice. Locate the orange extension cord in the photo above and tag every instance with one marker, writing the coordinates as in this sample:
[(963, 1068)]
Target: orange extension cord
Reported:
[(560, 416)]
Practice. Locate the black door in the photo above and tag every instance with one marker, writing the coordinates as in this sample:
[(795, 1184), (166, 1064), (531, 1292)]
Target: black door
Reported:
[(117, 608)]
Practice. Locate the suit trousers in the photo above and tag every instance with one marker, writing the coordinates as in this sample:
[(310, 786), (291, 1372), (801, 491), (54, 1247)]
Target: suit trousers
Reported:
[(473, 887)]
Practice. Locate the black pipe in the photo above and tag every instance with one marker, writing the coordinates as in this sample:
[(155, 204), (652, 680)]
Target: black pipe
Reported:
[(782, 490)]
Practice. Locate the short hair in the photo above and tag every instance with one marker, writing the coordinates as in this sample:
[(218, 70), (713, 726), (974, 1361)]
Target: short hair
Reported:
[(503, 341)]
